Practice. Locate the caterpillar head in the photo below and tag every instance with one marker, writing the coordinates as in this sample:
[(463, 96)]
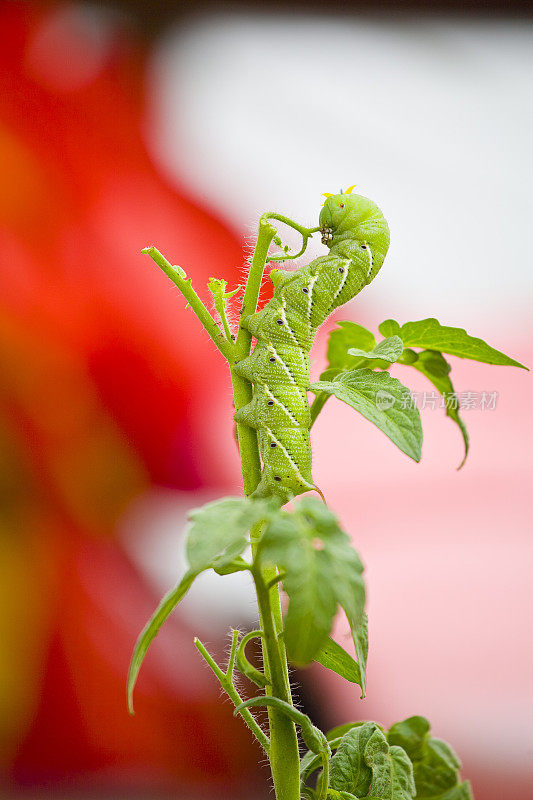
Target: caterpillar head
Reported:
[(347, 217), (334, 211)]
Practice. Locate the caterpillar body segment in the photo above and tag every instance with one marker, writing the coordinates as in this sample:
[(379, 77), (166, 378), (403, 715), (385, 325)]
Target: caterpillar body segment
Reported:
[(357, 235)]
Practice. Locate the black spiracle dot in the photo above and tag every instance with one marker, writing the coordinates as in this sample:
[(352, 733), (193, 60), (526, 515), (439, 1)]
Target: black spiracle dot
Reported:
[(341, 269), (363, 247), (272, 359), (273, 444), (279, 321), (277, 478), (270, 403), (305, 290)]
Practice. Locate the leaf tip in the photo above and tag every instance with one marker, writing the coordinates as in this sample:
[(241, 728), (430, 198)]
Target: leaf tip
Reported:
[(129, 692)]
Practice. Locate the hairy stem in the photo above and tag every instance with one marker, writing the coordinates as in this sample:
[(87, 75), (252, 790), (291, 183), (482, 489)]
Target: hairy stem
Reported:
[(231, 691), (242, 388), (179, 278), (283, 753)]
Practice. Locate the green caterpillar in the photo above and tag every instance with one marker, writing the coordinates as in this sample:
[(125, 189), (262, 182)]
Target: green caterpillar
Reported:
[(357, 235)]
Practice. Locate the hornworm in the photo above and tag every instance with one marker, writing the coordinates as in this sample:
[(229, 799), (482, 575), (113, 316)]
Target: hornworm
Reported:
[(357, 235)]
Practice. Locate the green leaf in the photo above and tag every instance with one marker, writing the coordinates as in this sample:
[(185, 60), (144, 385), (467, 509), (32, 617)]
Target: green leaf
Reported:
[(435, 765), (384, 401), (218, 531), (462, 791), (237, 565), (151, 629), (348, 334), (217, 287), (334, 657), (321, 571), (313, 737), (392, 771), (340, 730), (412, 734), (348, 770), (434, 366), (216, 537), (335, 795), (389, 349), (360, 639), (437, 771), (431, 335)]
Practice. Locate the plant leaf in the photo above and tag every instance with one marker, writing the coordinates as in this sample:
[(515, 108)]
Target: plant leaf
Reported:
[(348, 770), (321, 571), (216, 537), (151, 629), (412, 734), (437, 771), (384, 401), (434, 366), (237, 565), (431, 335), (218, 531), (462, 791), (360, 640), (335, 795), (389, 349), (435, 765), (334, 657), (339, 731), (392, 771), (348, 334)]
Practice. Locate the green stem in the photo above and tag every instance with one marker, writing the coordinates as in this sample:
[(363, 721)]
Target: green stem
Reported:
[(179, 278), (234, 695), (242, 388), (324, 785), (283, 754), (220, 307), (317, 405), (306, 233)]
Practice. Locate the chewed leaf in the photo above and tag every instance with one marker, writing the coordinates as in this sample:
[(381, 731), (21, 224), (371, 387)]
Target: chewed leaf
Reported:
[(389, 349), (431, 335), (384, 401), (151, 629)]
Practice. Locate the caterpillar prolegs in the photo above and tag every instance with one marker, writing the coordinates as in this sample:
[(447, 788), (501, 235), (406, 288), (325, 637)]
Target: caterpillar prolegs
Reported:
[(357, 235)]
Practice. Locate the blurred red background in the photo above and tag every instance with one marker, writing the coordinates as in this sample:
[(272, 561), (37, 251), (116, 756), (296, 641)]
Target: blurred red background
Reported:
[(104, 393)]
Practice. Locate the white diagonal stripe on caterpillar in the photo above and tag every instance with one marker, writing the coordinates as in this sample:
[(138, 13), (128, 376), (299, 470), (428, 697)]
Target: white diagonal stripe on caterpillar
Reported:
[(279, 403)]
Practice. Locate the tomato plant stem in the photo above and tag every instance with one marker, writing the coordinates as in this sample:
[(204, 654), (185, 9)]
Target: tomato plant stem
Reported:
[(283, 754)]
